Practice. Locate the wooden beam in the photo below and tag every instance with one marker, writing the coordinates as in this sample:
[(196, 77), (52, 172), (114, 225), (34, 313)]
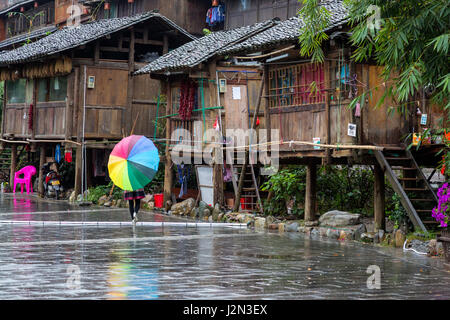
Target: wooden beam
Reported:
[(310, 197), (379, 199)]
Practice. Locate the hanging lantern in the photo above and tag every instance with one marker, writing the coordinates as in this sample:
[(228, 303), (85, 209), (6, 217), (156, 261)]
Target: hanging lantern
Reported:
[(107, 7), (130, 1), (22, 9), (36, 4)]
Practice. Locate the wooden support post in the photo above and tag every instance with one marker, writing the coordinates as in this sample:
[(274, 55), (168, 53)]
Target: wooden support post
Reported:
[(165, 44), (379, 199), (218, 194), (310, 198), (130, 89), (168, 173), (78, 170), (13, 164), (41, 173), (266, 106), (4, 109)]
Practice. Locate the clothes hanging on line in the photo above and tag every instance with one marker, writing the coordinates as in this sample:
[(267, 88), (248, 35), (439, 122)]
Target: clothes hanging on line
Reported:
[(215, 15), (183, 175)]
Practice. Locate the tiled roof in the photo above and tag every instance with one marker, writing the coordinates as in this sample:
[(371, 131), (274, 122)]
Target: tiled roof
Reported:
[(197, 51), (72, 37), (14, 4), (22, 38), (288, 30)]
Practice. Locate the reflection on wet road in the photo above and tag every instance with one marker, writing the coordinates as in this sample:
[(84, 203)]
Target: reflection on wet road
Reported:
[(173, 261)]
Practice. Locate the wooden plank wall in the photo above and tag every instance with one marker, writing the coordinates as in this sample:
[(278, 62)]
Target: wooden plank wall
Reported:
[(106, 103), (145, 97), (380, 125)]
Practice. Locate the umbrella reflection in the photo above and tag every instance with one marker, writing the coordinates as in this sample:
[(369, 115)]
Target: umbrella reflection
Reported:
[(128, 281)]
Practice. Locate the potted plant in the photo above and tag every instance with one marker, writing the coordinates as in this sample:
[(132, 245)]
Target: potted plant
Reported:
[(442, 215)]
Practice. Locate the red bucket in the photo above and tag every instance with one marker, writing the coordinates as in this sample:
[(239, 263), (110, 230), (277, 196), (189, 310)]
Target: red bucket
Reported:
[(159, 197), (246, 203)]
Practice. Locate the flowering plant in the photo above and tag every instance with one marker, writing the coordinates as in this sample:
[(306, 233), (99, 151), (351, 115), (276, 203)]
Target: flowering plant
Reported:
[(442, 212)]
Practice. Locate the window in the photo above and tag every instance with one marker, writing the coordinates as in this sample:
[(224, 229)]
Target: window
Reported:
[(52, 89), (296, 85), (16, 91)]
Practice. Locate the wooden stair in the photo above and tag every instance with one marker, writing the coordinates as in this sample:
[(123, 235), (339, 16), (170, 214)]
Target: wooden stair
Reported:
[(408, 181)]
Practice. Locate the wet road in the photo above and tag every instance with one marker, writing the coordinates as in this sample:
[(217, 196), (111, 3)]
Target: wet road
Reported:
[(40, 259)]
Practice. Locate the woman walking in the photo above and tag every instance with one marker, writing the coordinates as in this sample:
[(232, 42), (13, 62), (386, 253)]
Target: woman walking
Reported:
[(134, 202)]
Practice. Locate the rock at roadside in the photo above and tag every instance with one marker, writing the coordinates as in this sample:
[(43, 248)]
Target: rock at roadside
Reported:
[(337, 218), (292, 227), (148, 198), (72, 197), (367, 237), (183, 208), (216, 212), (204, 209), (400, 238), (101, 201), (358, 231), (260, 223)]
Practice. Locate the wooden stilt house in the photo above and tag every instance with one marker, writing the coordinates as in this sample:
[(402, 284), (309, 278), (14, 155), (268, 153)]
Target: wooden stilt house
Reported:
[(308, 106), (75, 88)]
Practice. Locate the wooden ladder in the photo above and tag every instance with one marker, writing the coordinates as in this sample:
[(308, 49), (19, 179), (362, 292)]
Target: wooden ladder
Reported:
[(408, 181), (250, 189)]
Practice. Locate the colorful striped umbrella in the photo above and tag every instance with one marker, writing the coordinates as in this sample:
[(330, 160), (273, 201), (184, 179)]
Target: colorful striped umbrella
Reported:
[(133, 163)]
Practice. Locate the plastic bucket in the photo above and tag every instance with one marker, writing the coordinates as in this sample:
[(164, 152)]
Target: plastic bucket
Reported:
[(245, 203), (158, 200)]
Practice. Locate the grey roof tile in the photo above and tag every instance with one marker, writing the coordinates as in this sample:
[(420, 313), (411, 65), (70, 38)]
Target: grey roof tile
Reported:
[(288, 30), (71, 37), (24, 37), (197, 51)]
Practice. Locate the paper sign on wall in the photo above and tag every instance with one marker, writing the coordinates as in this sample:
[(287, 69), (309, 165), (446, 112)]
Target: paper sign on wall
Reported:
[(316, 141), (351, 130), (423, 119), (236, 93)]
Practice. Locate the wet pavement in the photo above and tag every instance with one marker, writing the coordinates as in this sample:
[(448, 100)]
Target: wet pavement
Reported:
[(160, 259)]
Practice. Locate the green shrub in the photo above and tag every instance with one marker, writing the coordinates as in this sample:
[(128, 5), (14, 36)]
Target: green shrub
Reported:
[(347, 189), (287, 185)]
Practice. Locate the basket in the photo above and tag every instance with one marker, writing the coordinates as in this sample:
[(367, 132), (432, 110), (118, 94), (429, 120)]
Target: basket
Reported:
[(445, 239)]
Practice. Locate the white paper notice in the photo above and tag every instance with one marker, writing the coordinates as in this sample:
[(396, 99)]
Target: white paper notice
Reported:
[(236, 93), (351, 130)]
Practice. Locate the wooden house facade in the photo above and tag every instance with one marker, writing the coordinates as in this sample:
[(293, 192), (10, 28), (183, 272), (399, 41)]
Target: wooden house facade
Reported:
[(307, 105), (75, 88)]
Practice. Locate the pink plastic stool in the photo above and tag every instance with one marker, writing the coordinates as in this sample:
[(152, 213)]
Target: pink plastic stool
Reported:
[(27, 172)]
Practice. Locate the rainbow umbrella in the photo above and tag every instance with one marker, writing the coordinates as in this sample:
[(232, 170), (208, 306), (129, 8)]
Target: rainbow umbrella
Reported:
[(133, 163)]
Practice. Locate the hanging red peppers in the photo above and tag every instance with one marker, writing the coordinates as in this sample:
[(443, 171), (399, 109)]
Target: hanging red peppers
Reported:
[(188, 92)]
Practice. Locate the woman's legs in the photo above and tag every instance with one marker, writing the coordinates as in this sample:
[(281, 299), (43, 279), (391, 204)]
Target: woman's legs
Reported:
[(131, 207), (137, 205)]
